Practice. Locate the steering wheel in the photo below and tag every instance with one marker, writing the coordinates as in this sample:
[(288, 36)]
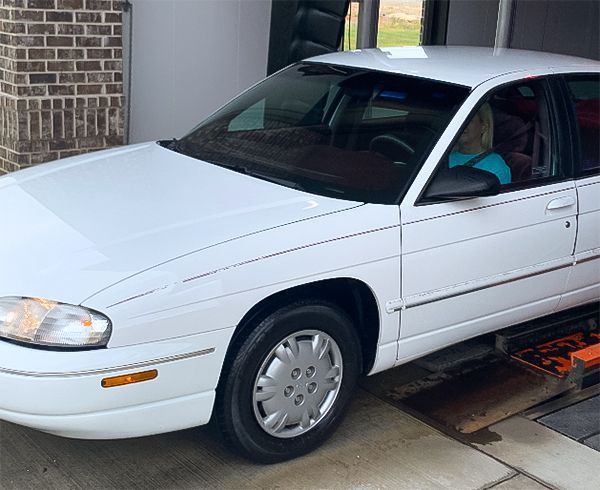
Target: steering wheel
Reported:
[(392, 147)]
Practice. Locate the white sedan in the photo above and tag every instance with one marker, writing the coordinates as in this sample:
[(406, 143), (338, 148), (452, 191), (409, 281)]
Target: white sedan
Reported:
[(348, 214)]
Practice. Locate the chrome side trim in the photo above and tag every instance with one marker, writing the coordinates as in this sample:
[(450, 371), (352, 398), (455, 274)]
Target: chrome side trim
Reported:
[(477, 285), (587, 256), (395, 305), (580, 185), (92, 372), (287, 251), (253, 260)]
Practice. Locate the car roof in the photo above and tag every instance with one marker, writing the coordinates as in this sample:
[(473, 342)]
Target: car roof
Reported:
[(469, 66)]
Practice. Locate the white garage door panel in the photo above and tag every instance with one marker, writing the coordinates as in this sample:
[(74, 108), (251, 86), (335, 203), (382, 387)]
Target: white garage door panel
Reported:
[(189, 57)]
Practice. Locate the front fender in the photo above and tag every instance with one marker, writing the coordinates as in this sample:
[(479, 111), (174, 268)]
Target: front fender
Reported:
[(215, 288)]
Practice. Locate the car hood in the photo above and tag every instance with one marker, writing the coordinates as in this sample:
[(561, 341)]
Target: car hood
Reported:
[(74, 227)]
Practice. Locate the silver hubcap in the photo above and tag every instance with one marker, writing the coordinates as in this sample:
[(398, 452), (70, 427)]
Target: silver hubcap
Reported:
[(297, 383)]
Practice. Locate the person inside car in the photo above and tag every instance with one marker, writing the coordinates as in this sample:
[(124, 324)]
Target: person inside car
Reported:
[(475, 146)]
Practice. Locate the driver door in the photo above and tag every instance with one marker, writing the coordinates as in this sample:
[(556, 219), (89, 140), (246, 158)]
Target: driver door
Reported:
[(479, 264)]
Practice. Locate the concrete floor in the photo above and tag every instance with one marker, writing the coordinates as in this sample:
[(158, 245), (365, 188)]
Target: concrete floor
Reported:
[(378, 446)]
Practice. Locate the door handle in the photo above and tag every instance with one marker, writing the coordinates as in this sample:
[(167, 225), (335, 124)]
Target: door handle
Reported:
[(560, 202)]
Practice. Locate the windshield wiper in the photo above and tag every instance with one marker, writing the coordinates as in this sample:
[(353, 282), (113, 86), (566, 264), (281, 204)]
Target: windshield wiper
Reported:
[(232, 166), (262, 175), (174, 145), (277, 180)]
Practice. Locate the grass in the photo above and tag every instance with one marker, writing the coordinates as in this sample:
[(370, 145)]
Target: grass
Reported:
[(392, 31), (399, 36)]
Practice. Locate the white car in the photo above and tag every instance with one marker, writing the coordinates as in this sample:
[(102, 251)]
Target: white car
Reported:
[(348, 214)]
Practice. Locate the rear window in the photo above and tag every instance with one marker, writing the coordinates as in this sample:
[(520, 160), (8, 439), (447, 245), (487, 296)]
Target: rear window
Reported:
[(341, 132)]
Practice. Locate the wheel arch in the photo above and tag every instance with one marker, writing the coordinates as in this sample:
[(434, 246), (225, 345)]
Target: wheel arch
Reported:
[(354, 296)]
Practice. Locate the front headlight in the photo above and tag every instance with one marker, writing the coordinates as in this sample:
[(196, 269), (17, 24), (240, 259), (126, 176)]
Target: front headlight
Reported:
[(47, 323)]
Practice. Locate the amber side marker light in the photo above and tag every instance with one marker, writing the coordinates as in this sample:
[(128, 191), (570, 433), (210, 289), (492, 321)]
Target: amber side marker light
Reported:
[(126, 379)]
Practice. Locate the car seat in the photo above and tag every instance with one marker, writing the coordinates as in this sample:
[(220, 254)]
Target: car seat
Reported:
[(511, 138)]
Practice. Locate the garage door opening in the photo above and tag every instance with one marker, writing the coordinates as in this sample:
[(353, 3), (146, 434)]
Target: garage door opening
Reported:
[(396, 23)]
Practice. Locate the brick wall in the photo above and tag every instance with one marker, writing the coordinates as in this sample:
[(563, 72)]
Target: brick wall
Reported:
[(61, 90)]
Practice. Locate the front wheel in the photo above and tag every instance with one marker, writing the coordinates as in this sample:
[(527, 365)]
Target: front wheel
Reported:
[(289, 382)]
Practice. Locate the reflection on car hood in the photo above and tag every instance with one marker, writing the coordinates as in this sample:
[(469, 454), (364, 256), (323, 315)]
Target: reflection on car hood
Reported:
[(76, 226)]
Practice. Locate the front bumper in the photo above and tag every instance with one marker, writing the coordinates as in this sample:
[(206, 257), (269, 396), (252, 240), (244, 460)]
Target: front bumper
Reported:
[(61, 392)]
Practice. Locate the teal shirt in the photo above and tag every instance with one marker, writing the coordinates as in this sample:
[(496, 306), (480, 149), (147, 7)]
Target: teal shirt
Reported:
[(493, 163)]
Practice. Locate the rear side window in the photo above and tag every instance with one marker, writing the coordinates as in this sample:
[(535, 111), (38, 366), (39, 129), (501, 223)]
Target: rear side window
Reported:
[(584, 92)]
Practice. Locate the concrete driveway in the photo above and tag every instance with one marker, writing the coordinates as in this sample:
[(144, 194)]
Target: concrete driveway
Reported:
[(378, 446)]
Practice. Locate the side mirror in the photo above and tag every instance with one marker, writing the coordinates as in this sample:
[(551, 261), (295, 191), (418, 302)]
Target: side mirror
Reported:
[(460, 182)]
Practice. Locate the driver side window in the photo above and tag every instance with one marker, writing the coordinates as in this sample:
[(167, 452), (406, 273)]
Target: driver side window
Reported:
[(510, 135), (475, 146)]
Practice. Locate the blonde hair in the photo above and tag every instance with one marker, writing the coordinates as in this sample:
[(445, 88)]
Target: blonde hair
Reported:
[(487, 118)]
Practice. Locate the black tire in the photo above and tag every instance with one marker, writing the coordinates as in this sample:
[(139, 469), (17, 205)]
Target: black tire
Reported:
[(236, 410)]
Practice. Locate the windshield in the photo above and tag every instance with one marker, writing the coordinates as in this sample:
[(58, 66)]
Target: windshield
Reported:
[(341, 132)]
